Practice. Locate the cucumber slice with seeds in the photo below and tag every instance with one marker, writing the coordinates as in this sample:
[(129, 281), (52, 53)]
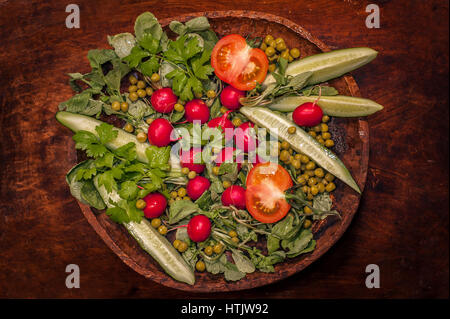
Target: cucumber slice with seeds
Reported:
[(328, 65), (300, 141), (338, 105), (153, 243)]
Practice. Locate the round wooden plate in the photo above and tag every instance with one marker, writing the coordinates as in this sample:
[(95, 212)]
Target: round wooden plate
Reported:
[(352, 147)]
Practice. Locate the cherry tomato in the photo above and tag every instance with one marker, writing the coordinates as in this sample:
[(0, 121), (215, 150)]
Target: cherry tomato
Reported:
[(264, 198), (237, 64)]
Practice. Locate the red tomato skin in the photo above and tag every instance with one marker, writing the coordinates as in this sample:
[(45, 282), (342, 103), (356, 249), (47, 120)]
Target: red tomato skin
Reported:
[(155, 206), (230, 97), (197, 186), (308, 114), (240, 55), (163, 100), (187, 160), (266, 182), (234, 195), (199, 228), (159, 132)]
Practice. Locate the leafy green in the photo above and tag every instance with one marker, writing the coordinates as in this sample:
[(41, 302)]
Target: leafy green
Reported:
[(191, 256), (158, 157), (84, 190), (296, 246), (146, 23), (286, 228), (204, 201), (265, 263), (128, 190), (232, 273), (181, 234), (181, 209), (316, 89), (124, 212), (122, 43), (242, 262), (273, 244)]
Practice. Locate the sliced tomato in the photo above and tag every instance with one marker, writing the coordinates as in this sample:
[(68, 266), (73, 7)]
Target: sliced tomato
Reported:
[(238, 64), (264, 198)]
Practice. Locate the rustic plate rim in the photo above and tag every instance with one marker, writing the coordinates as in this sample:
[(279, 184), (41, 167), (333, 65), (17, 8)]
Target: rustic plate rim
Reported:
[(363, 131)]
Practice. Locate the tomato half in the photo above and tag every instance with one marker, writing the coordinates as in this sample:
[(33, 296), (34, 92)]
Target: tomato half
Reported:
[(264, 198), (237, 64)]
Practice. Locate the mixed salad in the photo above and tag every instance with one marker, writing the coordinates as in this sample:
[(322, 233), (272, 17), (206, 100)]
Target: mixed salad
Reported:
[(220, 157)]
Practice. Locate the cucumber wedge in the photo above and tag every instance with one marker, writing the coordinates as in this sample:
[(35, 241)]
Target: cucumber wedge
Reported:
[(78, 122), (338, 105), (300, 141), (153, 243), (329, 65)]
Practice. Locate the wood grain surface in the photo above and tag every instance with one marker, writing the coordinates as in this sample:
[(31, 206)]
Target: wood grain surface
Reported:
[(402, 222)]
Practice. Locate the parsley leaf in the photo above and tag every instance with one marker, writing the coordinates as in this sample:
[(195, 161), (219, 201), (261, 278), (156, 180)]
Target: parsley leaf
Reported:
[(127, 151), (201, 66), (106, 132), (128, 190)]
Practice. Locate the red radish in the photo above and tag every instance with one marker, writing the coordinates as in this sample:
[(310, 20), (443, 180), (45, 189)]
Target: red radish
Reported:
[(159, 132), (308, 114), (230, 97), (245, 137), (221, 122), (189, 158), (234, 195), (197, 186), (155, 206), (226, 155), (199, 228), (196, 110), (163, 100)]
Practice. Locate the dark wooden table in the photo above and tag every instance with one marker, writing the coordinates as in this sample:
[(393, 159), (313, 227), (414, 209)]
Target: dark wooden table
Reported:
[(402, 224)]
